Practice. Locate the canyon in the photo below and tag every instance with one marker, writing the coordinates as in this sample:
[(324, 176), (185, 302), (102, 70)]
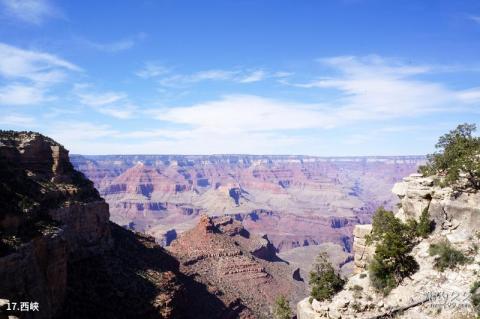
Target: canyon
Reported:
[(430, 292), (295, 201), (59, 249), (191, 237)]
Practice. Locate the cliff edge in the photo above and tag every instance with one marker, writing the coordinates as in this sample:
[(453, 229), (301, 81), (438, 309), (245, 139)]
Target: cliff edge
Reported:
[(50, 216), (429, 292)]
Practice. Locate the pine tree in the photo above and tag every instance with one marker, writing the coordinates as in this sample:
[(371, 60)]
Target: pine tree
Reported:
[(324, 280), (282, 308)]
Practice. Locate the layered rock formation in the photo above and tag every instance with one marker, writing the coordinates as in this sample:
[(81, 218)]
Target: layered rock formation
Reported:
[(428, 293), (236, 266), (303, 258), (50, 215), (363, 253), (295, 200), (58, 249)]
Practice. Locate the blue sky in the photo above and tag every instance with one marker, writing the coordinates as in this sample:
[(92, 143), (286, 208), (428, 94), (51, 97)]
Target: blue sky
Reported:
[(329, 78)]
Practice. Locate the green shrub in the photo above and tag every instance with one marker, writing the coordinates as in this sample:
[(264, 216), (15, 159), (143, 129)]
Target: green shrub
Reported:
[(447, 256), (325, 282), (282, 308), (475, 292), (425, 225), (357, 291), (457, 153), (356, 288), (391, 262), (473, 249)]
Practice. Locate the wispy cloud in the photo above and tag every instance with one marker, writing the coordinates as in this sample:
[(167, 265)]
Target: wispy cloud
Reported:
[(151, 70), (363, 90), (30, 11), (236, 76), (17, 120), (111, 103), (167, 77), (376, 88), (114, 46), (32, 65), (30, 75), (242, 113), (18, 94), (95, 98), (475, 18), (79, 131), (254, 76)]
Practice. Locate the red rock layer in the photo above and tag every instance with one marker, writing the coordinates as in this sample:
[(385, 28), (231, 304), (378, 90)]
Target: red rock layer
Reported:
[(219, 255)]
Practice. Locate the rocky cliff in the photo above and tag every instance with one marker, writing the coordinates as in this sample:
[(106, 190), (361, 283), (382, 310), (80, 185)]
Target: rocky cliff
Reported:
[(58, 249), (428, 293), (237, 266), (297, 201), (50, 215)]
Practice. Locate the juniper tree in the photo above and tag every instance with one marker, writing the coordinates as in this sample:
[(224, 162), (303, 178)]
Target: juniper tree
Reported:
[(457, 152), (324, 280)]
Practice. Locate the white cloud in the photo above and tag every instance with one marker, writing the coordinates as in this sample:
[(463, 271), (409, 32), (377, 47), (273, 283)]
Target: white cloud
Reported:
[(170, 79), (242, 113), (114, 104), (255, 76), (36, 66), (17, 120), (72, 132), (470, 96), (30, 74), (151, 70), (362, 90), (187, 79), (30, 11), (114, 46), (373, 88), (282, 74), (18, 94), (125, 111), (100, 99)]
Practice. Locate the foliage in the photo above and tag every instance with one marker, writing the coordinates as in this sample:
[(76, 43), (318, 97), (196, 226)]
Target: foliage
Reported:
[(458, 152), (447, 256), (425, 225), (391, 262), (357, 291), (475, 292), (325, 282), (282, 308)]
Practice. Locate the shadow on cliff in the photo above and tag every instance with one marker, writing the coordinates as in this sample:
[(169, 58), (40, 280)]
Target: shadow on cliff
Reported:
[(137, 279)]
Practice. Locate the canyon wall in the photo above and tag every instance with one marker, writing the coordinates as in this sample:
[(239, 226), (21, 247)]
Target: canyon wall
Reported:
[(50, 214), (59, 249), (295, 200), (456, 215)]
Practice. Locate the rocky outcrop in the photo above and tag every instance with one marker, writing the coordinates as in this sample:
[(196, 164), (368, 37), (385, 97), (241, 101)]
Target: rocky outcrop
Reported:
[(455, 212), (51, 215), (37, 272), (221, 253), (58, 248), (138, 279), (363, 253), (456, 215)]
